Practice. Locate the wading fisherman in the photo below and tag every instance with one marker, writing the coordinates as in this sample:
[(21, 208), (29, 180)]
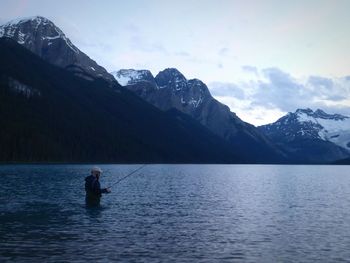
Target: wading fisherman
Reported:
[(93, 188)]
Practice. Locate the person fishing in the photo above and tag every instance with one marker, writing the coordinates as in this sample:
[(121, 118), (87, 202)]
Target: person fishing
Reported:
[(93, 188)]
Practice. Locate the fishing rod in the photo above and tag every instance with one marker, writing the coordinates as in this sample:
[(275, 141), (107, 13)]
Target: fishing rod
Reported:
[(126, 176)]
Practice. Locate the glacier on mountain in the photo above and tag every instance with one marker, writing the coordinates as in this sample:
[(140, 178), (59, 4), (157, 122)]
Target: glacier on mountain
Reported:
[(334, 128)]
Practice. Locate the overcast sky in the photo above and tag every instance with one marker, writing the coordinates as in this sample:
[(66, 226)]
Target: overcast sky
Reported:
[(262, 58)]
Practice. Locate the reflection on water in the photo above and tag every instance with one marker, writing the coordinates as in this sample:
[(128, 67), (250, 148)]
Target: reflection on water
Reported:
[(212, 213)]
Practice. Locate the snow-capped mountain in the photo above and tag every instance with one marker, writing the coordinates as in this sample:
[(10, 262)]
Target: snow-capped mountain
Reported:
[(333, 127), (170, 85), (187, 95), (44, 38), (306, 125), (170, 89)]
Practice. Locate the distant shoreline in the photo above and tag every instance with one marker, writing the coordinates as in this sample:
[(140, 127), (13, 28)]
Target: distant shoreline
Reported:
[(174, 163)]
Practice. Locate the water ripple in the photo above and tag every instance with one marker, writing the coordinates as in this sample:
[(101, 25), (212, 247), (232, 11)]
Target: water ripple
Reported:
[(182, 213)]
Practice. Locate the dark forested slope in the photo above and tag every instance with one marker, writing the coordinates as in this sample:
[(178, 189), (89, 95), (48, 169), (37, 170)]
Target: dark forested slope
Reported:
[(49, 114)]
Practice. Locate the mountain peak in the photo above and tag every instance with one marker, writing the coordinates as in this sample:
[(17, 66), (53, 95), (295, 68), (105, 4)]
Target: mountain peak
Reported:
[(35, 19), (319, 111), (320, 114), (171, 71), (27, 30), (171, 76), (311, 125), (198, 85), (42, 37), (307, 111)]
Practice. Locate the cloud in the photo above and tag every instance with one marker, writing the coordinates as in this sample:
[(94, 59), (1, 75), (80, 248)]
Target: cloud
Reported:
[(182, 54), (223, 51), (250, 69), (326, 88), (223, 89), (321, 82), (137, 42), (279, 90), (276, 92), (257, 115), (132, 28)]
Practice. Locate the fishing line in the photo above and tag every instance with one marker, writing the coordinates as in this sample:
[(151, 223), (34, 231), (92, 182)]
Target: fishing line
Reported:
[(126, 176)]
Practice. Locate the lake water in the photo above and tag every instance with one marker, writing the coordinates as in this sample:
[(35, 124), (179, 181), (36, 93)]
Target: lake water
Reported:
[(183, 213)]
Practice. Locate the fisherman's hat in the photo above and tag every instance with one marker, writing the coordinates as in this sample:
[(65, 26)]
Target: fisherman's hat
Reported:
[(96, 169)]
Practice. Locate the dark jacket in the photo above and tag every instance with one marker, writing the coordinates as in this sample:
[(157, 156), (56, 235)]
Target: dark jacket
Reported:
[(93, 187)]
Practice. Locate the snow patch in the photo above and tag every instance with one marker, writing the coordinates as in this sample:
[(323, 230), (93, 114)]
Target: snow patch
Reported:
[(129, 76), (20, 20), (51, 38), (195, 103), (122, 80), (23, 89), (336, 130)]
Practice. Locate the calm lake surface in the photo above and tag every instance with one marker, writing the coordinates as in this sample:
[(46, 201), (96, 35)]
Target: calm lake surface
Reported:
[(183, 213)]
